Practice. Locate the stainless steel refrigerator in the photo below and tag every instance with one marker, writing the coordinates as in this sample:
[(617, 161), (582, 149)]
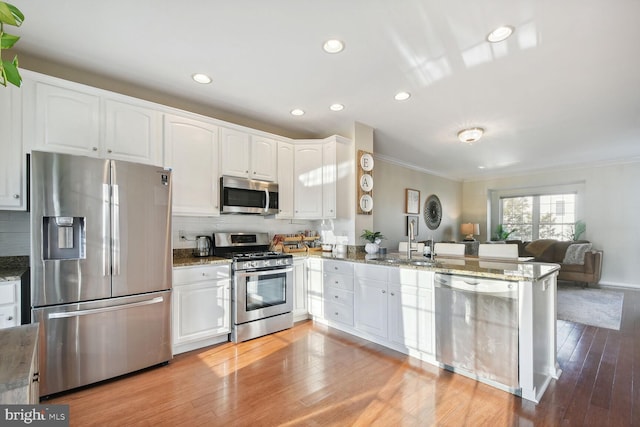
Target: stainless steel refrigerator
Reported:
[(100, 267)]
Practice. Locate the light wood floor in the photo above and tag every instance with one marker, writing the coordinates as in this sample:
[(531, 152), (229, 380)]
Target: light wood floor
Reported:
[(315, 376)]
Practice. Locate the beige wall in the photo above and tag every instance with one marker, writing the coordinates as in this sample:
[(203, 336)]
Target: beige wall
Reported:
[(390, 182), (610, 207)]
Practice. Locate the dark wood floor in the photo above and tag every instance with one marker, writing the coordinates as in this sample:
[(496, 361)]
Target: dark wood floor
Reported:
[(315, 376)]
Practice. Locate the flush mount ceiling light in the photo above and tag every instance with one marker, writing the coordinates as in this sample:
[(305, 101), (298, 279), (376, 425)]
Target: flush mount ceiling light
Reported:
[(297, 112), (470, 135), (500, 34), (333, 46), (402, 96), (336, 107), (201, 78)]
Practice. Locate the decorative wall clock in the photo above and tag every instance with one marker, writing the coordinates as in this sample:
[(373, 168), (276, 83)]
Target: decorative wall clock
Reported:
[(432, 212)]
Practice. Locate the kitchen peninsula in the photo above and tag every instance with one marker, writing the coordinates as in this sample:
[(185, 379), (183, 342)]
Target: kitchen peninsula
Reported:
[(402, 304)]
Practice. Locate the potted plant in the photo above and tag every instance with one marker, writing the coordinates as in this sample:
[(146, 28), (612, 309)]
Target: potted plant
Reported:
[(502, 234), (10, 15), (374, 238), (578, 229)]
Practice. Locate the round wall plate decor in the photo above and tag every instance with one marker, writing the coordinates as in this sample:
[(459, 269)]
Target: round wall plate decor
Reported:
[(432, 212)]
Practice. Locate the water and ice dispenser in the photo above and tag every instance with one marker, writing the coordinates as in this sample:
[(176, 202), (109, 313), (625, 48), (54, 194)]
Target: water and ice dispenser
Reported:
[(63, 237)]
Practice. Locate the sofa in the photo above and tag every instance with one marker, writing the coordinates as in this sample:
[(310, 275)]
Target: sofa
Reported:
[(578, 261)]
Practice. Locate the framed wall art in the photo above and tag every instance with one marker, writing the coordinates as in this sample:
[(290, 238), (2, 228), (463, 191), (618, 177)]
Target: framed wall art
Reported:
[(412, 201), (415, 220)]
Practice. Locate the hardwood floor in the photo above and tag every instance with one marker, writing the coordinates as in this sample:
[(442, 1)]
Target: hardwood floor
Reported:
[(315, 376)]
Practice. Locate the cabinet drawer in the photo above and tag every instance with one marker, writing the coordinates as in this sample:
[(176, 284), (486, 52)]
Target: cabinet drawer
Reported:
[(184, 275), (8, 316), (8, 292), (339, 313), (338, 281), (373, 272), (338, 296), (339, 267)]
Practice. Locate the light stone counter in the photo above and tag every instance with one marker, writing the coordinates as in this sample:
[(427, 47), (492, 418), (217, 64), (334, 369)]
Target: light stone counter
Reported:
[(467, 266)]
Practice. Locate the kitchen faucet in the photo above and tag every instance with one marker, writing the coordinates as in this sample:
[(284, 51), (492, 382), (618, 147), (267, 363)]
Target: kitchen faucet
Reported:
[(411, 238)]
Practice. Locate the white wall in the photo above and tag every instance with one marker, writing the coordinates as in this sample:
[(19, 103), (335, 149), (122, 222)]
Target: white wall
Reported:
[(610, 209), (389, 217)]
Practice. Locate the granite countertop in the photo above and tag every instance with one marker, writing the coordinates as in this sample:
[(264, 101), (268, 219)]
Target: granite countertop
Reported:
[(13, 267), (18, 345), (185, 258), (467, 266)]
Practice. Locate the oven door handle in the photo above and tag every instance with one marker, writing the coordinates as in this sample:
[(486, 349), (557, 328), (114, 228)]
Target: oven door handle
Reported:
[(263, 272)]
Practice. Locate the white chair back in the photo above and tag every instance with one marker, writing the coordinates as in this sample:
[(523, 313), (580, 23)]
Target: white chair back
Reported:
[(489, 250), (455, 249)]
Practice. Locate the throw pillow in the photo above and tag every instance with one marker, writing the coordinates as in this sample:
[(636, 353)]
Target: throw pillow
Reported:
[(575, 253)]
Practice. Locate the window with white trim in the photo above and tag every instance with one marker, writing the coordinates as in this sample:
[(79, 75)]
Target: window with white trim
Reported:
[(541, 216)]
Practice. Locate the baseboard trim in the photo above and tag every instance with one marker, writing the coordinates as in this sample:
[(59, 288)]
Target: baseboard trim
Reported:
[(618, 285)]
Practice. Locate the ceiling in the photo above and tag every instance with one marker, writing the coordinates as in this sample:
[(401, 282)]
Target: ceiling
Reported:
[(562, 91)]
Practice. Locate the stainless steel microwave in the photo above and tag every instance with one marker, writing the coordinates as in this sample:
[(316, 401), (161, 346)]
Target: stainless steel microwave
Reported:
[(248, 196)]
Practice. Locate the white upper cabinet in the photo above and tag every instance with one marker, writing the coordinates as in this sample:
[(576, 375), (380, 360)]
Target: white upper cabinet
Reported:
[(191, 150), (234, 153), (67, 117), (285, 180), (307, 175), (12, 163), (329, 177), (248, 156), (64, 119), (264, 158), (132, 132)]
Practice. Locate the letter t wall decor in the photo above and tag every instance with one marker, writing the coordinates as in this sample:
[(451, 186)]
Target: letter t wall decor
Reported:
[(365, 183)]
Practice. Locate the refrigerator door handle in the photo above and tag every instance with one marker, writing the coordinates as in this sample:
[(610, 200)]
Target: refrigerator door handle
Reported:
[(115, 230), (77, 313), (106, 263)]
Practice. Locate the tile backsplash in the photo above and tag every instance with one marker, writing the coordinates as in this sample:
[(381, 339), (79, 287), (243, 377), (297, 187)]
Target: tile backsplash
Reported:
[(191, 227), (14, 233)]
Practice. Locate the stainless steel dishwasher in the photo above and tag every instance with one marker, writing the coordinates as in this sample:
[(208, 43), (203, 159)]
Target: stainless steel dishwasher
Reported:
[(477, 328)]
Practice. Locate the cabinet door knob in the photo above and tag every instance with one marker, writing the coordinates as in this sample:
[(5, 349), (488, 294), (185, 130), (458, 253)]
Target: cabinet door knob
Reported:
[(392, 294), (10, 318), (109, 151), (16, 196), (95, 148), (384, 292), (335, 296)]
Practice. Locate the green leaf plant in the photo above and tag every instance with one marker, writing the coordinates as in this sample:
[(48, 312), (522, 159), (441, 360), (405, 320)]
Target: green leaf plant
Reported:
[(9, 15)]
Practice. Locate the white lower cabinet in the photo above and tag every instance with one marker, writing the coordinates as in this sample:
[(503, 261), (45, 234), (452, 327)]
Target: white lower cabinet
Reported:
[(300, 294), (9, 304), (337, 281), (410, 309), (371, 297), (314, 288), (201, 313)]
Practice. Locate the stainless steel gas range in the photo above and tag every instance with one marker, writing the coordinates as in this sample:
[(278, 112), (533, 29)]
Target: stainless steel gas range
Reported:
[(262, 284)]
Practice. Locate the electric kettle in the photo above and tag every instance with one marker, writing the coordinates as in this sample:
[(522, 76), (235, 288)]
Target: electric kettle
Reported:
[(203, 246)]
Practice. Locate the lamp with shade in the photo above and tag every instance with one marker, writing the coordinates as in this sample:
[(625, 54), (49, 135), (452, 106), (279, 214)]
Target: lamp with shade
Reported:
[(470, 230)]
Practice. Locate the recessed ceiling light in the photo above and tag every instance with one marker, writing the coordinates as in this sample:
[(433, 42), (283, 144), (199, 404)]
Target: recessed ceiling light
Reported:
[(500, 34), (470, 135), (333, 46), (481, 167), (297, 112), (402, 96), (336, 107), (201, 78)]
